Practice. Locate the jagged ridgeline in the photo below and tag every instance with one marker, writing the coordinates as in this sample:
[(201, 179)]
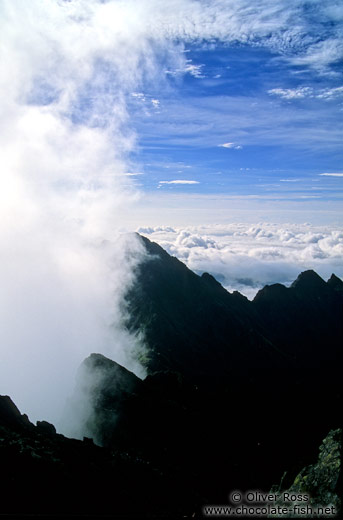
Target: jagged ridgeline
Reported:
[(238, 392), (192, 324)]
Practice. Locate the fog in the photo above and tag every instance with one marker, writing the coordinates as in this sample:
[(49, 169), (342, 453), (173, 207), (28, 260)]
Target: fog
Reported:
[(64, 193)]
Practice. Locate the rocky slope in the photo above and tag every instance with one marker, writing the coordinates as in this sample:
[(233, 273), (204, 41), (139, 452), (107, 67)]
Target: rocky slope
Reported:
[(46, 475), (321, 482)]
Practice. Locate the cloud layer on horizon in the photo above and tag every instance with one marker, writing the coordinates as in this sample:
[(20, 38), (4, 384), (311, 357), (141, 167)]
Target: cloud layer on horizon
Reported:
[(246, 257)]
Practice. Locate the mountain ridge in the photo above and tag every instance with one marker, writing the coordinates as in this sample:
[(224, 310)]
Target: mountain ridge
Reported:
[(170, 301)]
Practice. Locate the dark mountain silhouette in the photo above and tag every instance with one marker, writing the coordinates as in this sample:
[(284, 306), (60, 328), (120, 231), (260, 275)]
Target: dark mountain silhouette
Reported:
[(46, 475), (335, 282), (237, 393), (259, 381), (11, 416), (102, 387), (192, 324), (305, 320), (265, 369)]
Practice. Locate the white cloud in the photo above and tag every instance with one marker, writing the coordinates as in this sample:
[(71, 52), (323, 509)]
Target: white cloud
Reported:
[(155, 103), (307, 92), (145, 102), (188, 68), (190, 240), (231, 145), (138, 95), (331, 93), (194, 70), (289, 93), (157, 229), (320, 55), (291, 180), (179, 181), (331, 174)]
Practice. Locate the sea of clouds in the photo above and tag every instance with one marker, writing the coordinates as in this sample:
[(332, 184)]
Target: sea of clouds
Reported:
[(247, 257)]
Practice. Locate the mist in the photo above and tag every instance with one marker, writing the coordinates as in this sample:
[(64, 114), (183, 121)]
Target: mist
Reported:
[(64, 192)]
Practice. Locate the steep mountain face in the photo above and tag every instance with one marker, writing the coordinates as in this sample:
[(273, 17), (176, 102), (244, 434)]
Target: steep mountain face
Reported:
[(267, 372), (10, 415), (192, 324), (42, 471), (46, 475), (101, 390), (305, 320)]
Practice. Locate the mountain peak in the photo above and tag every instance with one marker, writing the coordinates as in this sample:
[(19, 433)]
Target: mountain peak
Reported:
[(209, 278), (101, 387), (271, 292), (335, 283), (109, 369), (152, 247), (308, 280), (10, 414)]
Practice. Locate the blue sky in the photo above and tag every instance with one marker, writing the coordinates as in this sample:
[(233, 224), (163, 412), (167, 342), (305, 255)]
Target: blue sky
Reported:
[(242, 121)]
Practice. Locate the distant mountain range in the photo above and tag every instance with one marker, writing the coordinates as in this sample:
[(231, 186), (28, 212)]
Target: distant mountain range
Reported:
[(237, 392)]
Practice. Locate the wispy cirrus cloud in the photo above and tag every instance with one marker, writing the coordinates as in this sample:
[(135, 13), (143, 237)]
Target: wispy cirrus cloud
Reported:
[(326, 94), (179, 181), (331, 174), (292, 93), (195, 70), (330, 93), (242, 121), (319, 55), (145, 101)]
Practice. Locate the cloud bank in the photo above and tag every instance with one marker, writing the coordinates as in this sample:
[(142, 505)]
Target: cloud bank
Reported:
[(246, 257)]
